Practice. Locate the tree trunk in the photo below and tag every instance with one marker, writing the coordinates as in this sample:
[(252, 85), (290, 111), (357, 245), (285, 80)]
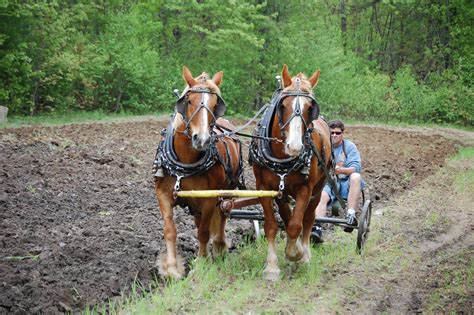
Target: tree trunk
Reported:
[(343, 24), (118, 104)]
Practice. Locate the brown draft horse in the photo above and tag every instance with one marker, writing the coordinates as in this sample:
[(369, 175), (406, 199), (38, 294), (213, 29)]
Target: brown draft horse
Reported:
[(202, 161), (295, 121)]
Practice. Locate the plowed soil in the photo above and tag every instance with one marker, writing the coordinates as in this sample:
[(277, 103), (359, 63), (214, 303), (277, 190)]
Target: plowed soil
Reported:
[(79, 221)]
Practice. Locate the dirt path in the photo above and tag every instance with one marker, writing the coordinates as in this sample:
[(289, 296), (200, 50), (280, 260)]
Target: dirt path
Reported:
[(422, 257), (79, 221), (438, 243)]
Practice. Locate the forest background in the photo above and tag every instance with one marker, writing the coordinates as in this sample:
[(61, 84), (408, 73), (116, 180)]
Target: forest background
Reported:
[(399, 60)]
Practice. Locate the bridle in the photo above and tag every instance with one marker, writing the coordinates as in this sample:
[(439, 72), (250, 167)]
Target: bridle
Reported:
[(314, 112), (183, 102), (167, 159), (260, 151)]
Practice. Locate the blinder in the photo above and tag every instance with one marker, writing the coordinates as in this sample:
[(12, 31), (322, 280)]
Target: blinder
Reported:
[(182, 102), (314, 111)]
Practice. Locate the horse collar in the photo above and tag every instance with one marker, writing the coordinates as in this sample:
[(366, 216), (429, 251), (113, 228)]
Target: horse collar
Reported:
[(260, 152), (167, 160)]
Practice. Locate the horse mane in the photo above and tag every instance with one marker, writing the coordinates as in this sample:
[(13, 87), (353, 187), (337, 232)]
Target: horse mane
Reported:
[(304, 85), (177, 121), (204, 81)]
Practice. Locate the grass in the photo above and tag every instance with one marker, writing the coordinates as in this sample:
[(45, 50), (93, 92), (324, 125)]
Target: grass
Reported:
[(31, 189), (71, 118), (234, 283), (404, 124), (464, 160), (455, 286), (465, 154), (21, 258), (92, 116), (407, 176)]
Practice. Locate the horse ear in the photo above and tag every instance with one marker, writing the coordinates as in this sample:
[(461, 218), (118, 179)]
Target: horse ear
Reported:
[(188, 77), (218, 77), (314, 79), (286, 76)]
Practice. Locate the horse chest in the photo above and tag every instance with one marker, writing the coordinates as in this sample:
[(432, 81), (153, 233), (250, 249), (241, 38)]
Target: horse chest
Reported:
[(213, 179)]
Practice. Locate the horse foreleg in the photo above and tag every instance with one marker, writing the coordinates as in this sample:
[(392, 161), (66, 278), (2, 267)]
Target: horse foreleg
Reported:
[(219, 242), (308, 222), (284, 210), (271, 272), (203, 233), (294, 248), (169, 265)]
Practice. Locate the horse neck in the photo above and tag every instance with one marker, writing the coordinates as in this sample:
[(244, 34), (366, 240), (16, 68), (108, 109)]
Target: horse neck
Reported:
[(183, 147), (278, 148)]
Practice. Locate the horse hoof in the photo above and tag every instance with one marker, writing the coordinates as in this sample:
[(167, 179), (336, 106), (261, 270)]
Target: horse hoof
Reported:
[(171, 272), (297, 257), (219, 248), (271, 275), (304, 260), (294, 252), (294, 255)]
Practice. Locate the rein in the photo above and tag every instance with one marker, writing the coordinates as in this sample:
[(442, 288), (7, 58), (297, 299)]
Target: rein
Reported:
[(230, 132), (329, 178)]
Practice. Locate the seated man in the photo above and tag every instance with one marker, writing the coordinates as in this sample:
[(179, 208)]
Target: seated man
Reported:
[(349, 182)]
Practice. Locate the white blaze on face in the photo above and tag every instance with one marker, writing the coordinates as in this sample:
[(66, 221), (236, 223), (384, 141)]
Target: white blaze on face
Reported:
[(200, 130), (203, 126), (294, 140)]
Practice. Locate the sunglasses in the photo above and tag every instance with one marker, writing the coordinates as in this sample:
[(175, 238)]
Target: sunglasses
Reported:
[(336, 132)]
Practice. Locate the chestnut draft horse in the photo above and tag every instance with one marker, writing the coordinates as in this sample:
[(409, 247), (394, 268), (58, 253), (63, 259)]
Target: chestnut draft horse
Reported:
[(290, 165), (194, 155)]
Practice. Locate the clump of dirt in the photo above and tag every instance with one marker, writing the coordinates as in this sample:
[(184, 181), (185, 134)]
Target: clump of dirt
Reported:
[(79, 219)]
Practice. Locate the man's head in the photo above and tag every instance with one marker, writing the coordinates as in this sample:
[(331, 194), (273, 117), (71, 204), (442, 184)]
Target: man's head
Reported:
[(337, 131)]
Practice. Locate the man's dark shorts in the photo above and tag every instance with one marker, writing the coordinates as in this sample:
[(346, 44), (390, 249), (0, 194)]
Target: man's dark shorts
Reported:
[(343, 188)]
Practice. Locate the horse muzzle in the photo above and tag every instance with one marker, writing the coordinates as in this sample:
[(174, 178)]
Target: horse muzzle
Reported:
[(200, 143), (294, 149)]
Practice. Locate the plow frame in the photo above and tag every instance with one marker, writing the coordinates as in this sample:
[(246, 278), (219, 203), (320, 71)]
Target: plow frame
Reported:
[(231, 202)]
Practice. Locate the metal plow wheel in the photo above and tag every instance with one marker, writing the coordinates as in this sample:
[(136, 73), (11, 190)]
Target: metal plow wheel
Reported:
[(363, 228)]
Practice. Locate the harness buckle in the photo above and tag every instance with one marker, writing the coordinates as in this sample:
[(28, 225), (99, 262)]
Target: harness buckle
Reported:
[(177, 185), (281, 186)]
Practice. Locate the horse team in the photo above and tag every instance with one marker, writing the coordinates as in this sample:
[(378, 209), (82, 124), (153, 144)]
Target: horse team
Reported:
[(195, 154)]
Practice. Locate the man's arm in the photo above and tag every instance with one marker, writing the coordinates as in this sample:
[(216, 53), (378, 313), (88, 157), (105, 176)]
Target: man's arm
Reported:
[(353, 160)]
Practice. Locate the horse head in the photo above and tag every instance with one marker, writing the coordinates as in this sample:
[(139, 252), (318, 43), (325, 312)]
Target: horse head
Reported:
[(297, 109), (200, 106)]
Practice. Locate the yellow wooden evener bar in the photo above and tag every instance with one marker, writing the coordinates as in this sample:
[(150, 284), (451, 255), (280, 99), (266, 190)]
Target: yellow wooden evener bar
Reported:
[(226, 193)]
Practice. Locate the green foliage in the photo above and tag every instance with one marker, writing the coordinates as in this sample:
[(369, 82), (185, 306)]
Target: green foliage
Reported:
[(405, 60)]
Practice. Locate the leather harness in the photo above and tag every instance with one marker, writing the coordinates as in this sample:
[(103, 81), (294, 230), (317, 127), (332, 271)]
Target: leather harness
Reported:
[(260, 152)]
